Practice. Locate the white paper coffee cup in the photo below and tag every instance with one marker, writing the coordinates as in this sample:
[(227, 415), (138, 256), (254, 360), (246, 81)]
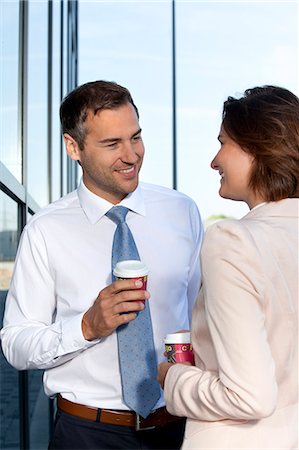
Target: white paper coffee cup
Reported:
[(130, 268), (183, 337)]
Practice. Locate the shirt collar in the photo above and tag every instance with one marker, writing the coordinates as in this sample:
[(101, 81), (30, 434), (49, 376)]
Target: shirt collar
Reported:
[(95, 207), (288, 207), (258, 206)]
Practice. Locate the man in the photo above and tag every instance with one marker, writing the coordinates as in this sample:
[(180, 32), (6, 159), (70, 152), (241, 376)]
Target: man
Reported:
[(63, 313)]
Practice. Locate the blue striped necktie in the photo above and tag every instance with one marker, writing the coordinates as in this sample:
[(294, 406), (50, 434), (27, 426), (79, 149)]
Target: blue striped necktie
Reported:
[(137, 357)]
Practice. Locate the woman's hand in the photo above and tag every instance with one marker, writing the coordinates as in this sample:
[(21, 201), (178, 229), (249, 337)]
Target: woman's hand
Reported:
[(162, 371)]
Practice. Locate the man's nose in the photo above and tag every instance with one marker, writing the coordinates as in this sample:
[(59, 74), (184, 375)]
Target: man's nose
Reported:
[(128, 153)]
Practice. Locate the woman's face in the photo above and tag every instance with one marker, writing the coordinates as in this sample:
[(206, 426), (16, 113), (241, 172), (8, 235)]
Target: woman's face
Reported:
[(234, 166)]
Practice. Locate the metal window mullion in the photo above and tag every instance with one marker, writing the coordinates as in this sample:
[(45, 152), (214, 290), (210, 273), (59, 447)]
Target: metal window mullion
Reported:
[(49, 96), (61, 87), (23, 76), (174, 119)]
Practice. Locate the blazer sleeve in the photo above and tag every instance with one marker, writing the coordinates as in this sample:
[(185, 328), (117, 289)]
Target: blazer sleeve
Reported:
[(233, 288)]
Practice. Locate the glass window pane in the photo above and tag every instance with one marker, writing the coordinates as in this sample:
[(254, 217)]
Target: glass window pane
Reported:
[(10, 150), (56, 86), (37, 143), (224, 48), (38, 411), (117, 42), (9, 386), (64, 88)]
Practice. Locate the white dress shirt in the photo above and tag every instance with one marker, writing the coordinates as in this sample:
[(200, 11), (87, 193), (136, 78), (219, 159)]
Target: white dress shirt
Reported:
[(64, 260)]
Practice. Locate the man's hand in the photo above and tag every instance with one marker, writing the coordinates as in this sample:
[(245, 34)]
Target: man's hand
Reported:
[(107, 312)]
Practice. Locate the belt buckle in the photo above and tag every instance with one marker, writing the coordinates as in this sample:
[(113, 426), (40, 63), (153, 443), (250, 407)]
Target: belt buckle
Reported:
[(138, 426)]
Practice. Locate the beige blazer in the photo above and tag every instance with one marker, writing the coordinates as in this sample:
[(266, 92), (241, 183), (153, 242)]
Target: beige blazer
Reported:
[(243, 392)]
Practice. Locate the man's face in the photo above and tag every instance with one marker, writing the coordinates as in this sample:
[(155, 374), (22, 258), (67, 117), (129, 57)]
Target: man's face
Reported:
[(112, 154)]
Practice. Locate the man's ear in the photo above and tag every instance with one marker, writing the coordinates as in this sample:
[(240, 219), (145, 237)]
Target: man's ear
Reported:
[(72, 147)]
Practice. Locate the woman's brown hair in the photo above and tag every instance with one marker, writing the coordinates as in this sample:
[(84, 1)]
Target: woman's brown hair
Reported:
[(265, 123)]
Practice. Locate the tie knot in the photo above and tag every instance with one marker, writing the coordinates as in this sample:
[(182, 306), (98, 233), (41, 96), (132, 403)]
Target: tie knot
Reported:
[(117, 214)]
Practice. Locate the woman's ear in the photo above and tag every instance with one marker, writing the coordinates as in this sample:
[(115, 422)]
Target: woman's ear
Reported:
[(72, 147)]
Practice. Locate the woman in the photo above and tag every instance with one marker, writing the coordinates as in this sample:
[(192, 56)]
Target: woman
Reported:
[(242, 392)]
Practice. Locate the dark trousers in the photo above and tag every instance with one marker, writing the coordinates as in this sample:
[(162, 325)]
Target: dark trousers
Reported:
[(74, 433)]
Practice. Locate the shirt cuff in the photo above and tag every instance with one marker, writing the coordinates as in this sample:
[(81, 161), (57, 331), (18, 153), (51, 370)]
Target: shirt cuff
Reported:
[(72, 336)]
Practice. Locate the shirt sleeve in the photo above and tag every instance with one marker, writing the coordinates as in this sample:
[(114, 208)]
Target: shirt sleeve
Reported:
[(194, 281), (31, 338), (244, 387)]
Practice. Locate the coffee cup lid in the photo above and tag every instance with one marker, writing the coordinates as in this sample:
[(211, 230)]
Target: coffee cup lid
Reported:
[(130, 269), (178, 338)]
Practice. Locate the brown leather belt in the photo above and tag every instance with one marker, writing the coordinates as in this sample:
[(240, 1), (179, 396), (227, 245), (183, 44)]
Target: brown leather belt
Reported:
[(157, 418)]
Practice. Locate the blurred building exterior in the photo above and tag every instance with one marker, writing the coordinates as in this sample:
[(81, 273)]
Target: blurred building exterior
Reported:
[(38, 60)]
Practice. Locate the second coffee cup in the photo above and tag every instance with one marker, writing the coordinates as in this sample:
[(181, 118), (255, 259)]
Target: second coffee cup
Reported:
[(132, 269), (178, 347)]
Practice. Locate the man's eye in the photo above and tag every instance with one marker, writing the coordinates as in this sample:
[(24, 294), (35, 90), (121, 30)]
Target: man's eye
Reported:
[(112, 144), (137, 138)]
